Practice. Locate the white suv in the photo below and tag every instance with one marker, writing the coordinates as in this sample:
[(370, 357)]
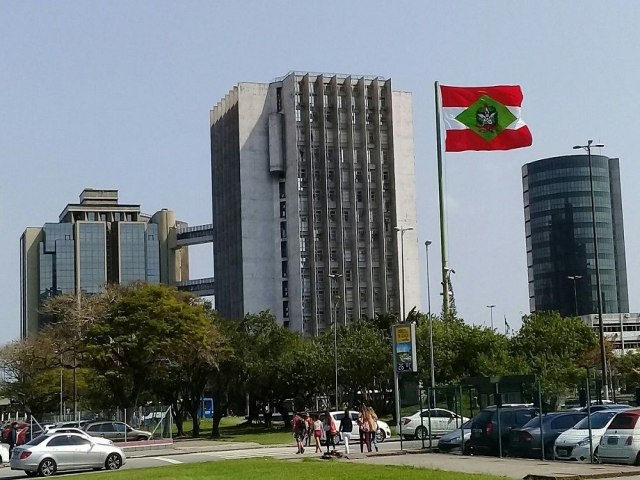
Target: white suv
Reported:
[(442, 421), (383, 433)]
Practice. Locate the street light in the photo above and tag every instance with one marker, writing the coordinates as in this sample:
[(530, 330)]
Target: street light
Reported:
[(490, 307), (432, 366), (603, 358), (575, 294), (402, 230), (335, 277)]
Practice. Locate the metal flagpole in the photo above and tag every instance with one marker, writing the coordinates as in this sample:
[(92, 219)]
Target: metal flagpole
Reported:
[(441, 196)]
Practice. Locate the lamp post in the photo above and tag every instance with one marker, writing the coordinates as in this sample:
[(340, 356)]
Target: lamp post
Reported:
[(603, 358), (574, 278), (490, 307), (402, 230), (334, 278), (432, 365)]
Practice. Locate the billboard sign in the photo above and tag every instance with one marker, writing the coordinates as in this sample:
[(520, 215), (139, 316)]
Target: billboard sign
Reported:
[(404, 348)]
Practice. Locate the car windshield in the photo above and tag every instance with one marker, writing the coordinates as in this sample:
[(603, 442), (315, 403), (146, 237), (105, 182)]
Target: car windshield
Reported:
[(38, 440), (598, 420), (466, 425), (534, 422)]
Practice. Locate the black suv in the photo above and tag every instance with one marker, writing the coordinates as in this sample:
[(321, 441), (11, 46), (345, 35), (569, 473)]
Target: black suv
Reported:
[(484, 428)]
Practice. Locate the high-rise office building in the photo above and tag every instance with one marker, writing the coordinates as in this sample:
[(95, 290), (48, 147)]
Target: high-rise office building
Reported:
[(559, 235), (313, 175), (95, 242)]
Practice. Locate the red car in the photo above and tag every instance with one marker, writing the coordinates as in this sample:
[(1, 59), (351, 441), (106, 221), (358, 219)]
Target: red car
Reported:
[(23, 432)]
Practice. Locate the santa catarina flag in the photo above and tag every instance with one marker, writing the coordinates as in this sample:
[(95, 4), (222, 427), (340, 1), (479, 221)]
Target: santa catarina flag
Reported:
[(483, 118)]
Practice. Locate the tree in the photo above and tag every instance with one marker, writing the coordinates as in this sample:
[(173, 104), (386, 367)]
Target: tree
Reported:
[(554, 348)]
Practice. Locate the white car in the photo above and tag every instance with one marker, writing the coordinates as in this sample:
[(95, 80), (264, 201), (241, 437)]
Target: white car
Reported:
[(78, 431), (573, 444), (442, 421), (383, 433), (4, 453), (621, 442)]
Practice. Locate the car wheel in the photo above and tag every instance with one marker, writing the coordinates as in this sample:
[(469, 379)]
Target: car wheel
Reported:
[(466, 450), (113, 462), (47, 467), (380, 435), (408, 437), (421, 433), (637, 462), (596, 456), (142, 437)]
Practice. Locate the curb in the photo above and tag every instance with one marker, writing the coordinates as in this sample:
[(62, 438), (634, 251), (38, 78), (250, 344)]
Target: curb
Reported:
[(581, 477)]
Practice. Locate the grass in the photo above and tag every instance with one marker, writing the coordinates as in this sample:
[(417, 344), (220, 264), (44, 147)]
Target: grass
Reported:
[(271, 469), (236, 429)]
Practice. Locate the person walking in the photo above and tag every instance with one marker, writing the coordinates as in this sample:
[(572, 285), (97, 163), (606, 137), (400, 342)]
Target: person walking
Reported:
[(346, 427), (309, 429), (373, 427), (299, 427), (12, 437), (365, 426), (317, 432), (330, 430)]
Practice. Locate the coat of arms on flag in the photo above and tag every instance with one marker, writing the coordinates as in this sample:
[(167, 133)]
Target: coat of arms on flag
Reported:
[(483, 118)]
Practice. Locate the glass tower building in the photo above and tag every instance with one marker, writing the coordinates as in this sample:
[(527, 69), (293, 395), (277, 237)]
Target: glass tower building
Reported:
[(96, 242), (559, 235)]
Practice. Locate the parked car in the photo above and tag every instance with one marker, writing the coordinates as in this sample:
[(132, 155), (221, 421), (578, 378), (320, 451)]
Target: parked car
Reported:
[(442, 421), (485, 436), (47, 454), (4, 453), (78, 431), (382, 434), (116, 431), (574, 444), (528, 440), (621, 441), (607, 406), (451, 440), (24, 432)]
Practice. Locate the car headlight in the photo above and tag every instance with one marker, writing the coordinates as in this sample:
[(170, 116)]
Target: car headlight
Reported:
[(583, 443)]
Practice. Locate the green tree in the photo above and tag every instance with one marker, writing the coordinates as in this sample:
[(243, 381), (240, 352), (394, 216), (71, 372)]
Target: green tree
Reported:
[(554, 349)]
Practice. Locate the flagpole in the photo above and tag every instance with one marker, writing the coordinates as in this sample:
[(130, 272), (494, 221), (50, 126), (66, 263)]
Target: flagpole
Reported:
[(441, 197)]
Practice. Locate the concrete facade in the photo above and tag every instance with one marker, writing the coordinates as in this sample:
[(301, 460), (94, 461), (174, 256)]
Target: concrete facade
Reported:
[(621, 329), (311, 173)]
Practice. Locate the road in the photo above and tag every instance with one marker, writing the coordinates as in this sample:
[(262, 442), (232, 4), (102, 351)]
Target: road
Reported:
[(184, 453)]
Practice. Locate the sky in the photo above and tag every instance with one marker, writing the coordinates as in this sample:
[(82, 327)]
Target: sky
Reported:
[(117, 95)]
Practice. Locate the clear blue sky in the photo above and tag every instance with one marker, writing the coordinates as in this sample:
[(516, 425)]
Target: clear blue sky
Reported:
[(116, 94)]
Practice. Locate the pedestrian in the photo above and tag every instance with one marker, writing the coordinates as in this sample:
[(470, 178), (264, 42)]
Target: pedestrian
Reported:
[(330, 431), (364, 424), (12, 437), (299, 427), (317, 432), (309, 430), (346, 427), (135, 423), (373, 427)]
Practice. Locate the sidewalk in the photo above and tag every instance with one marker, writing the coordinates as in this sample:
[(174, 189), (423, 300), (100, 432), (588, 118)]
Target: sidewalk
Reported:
[(507, 467)]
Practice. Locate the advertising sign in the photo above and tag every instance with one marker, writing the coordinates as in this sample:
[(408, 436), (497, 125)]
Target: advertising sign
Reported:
[(404, 347)]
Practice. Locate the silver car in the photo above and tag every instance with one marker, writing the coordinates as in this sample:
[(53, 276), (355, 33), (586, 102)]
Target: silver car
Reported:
[(49, 453)]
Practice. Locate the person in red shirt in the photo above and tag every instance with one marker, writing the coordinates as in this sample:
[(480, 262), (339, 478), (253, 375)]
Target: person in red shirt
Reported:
[(299, 427)]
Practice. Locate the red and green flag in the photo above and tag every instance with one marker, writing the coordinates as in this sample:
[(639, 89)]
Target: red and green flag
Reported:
[(483, 118)]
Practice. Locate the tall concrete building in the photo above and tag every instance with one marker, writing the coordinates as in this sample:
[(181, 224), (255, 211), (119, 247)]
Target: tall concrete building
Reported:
[(95, 242), (311, 175), (559, 235)]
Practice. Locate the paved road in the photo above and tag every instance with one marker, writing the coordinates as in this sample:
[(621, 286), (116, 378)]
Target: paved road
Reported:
[(195, 452)]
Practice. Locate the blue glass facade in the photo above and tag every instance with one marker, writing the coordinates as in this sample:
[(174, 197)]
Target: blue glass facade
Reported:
[(92, 256), (559, 235), (132, 252)]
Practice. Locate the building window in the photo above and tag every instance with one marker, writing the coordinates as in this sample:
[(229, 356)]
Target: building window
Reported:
[(279, 99), (283, 230), (285, 309), (281, 190), (283, 249), (283, 209), (285, 269), (285, 288)]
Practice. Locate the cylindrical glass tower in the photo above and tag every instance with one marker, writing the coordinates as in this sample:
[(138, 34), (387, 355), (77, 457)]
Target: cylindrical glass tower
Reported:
[(559, 234)]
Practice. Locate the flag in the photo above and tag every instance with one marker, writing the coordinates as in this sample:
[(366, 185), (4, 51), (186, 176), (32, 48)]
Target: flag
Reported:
[(483, 118), (507, 328)]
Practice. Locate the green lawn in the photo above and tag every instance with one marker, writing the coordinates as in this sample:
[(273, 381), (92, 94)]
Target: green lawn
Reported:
[(270, 469), (235, 429)]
